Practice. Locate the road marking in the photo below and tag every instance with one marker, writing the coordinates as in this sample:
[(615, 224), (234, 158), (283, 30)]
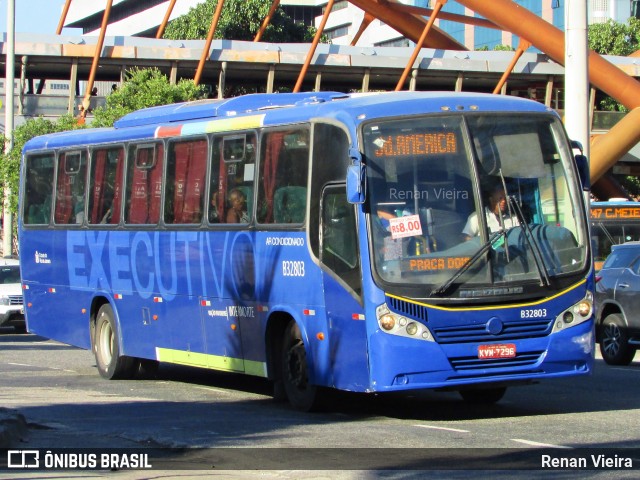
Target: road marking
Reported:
[(538, 444), (40, 366), (443, 428)]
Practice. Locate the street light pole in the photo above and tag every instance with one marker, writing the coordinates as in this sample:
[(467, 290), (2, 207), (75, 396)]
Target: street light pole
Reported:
[(7, 224), (576, 73)]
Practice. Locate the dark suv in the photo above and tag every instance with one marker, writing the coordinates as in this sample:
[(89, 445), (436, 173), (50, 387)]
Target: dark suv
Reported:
[(618, 304)]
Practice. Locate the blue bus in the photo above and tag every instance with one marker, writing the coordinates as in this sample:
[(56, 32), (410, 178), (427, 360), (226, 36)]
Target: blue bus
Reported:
[(320, 240), (613, 222)]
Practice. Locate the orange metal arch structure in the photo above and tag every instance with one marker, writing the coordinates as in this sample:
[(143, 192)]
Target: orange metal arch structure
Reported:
[(509, 16)]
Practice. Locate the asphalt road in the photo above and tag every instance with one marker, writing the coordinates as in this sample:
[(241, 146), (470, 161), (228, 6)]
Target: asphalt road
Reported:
[(66, 404)]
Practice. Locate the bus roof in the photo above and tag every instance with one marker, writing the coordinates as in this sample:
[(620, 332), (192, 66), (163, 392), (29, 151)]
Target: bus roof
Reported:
[(282, 108)]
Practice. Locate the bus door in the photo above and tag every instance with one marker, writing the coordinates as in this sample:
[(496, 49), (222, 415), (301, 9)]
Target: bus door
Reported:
[(221, 323), (342, 281)]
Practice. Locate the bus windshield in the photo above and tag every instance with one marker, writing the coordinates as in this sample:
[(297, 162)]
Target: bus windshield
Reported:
[(469, 200)]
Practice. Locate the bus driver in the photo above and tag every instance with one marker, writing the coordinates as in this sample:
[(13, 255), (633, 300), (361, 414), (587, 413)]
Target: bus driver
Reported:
[(497, 214)]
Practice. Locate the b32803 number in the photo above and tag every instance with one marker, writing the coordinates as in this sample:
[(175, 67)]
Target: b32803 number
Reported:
[(533, 313)]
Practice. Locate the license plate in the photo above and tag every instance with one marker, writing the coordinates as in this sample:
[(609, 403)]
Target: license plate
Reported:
[(503, 350)]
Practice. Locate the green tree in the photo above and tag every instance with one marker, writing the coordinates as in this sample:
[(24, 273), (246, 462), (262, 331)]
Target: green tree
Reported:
[(10, 161), (496, 48), (614, 38), (144, 87), (239, 20)]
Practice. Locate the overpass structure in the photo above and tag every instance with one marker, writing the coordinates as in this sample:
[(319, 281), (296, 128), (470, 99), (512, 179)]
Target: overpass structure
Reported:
[(437, 63)]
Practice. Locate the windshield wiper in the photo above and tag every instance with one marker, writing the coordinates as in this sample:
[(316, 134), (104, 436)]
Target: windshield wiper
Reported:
[(531, 240), (488, 244)]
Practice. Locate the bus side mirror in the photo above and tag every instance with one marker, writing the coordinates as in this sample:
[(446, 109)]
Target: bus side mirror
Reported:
[(355, 184), (355, 178), (583, 171)]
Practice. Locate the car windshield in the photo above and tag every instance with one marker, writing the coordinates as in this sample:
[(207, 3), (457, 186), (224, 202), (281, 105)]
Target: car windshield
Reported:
[(441, 187), (622, 257), (9, 274)]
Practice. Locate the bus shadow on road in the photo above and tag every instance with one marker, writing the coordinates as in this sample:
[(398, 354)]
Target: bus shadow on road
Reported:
[(551, 397)]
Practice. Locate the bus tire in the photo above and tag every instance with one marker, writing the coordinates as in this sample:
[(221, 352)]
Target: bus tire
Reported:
[(483, 396), (147, 369), (295, 371), (106, 348), (614, 341)]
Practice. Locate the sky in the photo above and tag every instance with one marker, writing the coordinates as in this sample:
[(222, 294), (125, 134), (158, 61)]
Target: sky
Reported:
[(34, 16)]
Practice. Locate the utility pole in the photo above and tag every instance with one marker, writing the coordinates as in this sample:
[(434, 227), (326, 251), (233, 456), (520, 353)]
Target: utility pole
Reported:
[(7, 223), (576, 73)]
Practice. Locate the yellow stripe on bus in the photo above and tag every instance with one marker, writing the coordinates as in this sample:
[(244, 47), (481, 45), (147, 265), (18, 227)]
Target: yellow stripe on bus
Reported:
[(490, 307), (223, 125), (214, 362)]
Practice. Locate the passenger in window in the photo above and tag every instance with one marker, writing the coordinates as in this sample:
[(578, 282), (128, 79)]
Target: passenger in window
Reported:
[(497, 213), (237, 207), (214, 216), (79, 210), (106, 218)]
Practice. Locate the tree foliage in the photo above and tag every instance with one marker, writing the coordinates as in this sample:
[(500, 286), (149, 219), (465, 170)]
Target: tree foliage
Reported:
[(10, 161), (142, 88), (614, 38), (497, 48), (239, 20)]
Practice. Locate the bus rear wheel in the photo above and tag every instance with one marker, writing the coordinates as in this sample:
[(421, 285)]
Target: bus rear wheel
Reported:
[(106, 348), (295, 371), (483, 396)]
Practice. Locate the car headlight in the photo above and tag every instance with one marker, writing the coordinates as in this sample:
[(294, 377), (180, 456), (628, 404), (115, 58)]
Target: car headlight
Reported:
[(4, 300), (395, 324)]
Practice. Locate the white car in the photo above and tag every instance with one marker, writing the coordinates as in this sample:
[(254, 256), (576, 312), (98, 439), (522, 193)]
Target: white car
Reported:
[(11, 303)]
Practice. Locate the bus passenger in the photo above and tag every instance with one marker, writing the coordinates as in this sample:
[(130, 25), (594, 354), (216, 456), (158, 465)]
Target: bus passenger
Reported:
[(214, 217), (237, 207)]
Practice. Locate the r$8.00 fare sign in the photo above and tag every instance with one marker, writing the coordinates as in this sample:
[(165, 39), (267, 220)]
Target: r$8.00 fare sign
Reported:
[(406, 226)]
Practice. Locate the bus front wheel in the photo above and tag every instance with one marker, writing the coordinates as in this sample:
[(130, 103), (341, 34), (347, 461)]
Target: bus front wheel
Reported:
[(106, 348), (483, 396), (295, 371)]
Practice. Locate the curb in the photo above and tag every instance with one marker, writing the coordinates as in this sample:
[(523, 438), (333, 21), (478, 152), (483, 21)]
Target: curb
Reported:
[(13, 427)]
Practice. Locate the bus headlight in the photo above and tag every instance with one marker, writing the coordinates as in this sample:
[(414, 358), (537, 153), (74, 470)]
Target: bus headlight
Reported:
[(575, 315), (584, 308), (400, 325), (412, 328), (387, 321)]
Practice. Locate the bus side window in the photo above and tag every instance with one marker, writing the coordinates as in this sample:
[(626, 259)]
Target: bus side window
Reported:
[(186, 168), (70, 188), (144, 183), (282, 186), (232, 175), (38, 189), (107, 166)]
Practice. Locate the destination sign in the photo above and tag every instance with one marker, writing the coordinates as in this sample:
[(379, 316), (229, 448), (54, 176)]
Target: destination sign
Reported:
[(434, 263), (416, 144), (615, 212)]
